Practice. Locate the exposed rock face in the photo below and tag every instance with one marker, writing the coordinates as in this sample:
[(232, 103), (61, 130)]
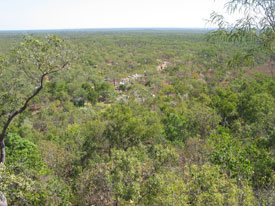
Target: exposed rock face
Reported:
[(3, 200)]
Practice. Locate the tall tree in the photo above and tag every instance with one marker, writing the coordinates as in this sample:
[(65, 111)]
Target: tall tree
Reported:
[(22, 76)]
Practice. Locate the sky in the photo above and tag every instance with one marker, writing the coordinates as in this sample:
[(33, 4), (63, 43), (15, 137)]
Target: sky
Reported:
[(74, 14)]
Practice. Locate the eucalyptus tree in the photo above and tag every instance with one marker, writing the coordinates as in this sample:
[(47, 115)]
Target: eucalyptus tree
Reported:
[(256, 25), (22, 76)]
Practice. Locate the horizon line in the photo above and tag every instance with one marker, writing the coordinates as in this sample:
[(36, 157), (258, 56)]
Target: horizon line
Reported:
[(111, 28)]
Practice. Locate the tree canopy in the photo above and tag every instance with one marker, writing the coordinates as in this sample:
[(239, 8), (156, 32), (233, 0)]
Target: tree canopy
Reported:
[(256, 24), (23, 75)]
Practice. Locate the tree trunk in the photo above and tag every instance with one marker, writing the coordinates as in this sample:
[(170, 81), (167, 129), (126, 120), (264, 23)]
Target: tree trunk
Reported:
[(14, 114), (224, 121), (3, 150)]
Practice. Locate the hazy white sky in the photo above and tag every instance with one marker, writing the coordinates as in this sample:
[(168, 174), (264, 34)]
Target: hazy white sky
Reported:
[(67, 14)]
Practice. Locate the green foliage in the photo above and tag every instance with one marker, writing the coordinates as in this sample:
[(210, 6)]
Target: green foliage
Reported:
[(128, 177), (92, 187), (248, 29), (22, 78), (175, 127), (58, 90), (24, 154), (195, 121), (22, 73), (172, 191), (133, 174), (20, 189), (257, 107), (125, 175), (208, 185), (154, 141), (127, 127), (263, 165), (105, 90), (57, 158), (226, 102), (95, 143), (230, 155), (202, 120), (92, 95)]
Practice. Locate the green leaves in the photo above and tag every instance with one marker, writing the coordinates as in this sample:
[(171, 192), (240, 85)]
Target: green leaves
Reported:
[(208, 185), (134, 175), (162, 145), (24, 154), (128, 177), (41, 56), (251, 27), (25, 69), (23, 189), (226, 102), (127, 128), (230, 155), (175, 126)]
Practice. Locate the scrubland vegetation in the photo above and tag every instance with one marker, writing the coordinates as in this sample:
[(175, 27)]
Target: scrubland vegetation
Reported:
[(137, 118)]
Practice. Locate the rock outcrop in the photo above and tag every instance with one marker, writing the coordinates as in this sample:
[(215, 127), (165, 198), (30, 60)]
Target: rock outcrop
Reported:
[(3, 200)]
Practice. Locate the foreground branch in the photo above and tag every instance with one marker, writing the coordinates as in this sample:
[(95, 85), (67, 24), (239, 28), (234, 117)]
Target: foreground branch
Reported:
[(22, 109)]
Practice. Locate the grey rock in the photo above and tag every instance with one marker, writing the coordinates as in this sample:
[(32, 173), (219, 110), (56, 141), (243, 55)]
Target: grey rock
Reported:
[(3, 200)]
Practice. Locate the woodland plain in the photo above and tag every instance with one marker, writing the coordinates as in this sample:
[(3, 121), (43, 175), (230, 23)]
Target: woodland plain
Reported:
[(142, 117)]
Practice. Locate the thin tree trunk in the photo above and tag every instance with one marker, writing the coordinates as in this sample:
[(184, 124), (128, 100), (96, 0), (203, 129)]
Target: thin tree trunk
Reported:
[(13, 115), (22, 109), (3, 150), (224, 121)]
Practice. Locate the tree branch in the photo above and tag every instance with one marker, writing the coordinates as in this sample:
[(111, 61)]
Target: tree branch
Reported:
[(23, 108)]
